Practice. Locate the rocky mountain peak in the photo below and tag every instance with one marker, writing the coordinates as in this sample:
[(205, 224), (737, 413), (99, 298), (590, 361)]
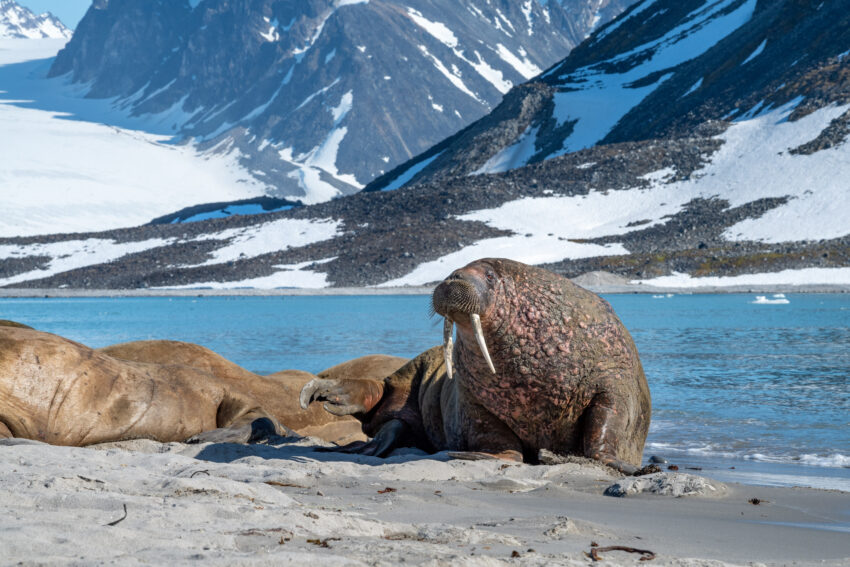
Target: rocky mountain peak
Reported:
[(18, 22)]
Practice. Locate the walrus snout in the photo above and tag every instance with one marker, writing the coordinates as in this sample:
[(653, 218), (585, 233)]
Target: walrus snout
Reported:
[(455, 296)]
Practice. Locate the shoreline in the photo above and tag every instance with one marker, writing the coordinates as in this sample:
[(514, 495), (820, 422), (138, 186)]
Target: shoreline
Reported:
[(627, 289)]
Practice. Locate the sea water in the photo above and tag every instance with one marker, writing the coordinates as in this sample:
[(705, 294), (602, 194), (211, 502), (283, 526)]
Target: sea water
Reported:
[(752, 392)]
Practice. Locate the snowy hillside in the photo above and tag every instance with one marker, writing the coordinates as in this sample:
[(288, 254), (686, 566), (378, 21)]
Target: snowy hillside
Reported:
[(755, 162), (319, 97), (17, 22), (63, 171)]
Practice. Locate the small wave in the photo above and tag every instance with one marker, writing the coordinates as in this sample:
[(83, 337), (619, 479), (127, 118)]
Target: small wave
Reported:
[(834, 460)]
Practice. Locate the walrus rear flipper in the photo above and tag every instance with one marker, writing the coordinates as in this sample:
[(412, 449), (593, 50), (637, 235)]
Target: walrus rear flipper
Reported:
[(257, 431), (240, 423)]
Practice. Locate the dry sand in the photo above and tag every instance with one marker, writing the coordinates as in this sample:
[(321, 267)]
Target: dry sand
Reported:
[(286, 504)]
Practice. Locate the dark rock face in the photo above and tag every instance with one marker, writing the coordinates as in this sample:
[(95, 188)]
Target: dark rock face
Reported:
[(321, 96), (17, 22)]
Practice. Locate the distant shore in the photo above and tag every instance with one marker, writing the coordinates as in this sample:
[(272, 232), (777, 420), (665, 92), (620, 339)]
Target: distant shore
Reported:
[(417, 290)]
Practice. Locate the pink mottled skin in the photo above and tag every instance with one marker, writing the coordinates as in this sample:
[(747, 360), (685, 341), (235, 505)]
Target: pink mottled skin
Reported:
[(568, 377)]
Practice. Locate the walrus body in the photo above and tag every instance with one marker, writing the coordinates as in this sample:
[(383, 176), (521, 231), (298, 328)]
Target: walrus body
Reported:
[(64, 393), (61, 392), (558, 371)]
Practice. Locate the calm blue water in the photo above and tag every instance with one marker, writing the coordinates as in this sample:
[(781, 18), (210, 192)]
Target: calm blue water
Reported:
[(762, 388)]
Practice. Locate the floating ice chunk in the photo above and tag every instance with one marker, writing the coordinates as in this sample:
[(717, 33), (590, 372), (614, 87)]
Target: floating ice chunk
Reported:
[(763, 300)]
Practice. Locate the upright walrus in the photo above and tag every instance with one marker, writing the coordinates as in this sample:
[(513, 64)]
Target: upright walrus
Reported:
[(539, 363)]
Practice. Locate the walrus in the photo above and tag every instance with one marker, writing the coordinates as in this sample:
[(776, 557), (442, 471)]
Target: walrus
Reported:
[(64, 393), (277, 393), (61, 392), (539, 363)]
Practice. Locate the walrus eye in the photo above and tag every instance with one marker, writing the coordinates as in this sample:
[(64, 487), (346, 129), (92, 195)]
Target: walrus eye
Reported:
[(491, 277)]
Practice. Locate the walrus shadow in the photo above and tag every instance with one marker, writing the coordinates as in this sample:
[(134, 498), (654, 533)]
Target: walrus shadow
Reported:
[(294, 449)]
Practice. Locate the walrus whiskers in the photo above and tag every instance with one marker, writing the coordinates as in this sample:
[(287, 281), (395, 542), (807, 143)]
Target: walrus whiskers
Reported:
[(479, 336), (448, 345)]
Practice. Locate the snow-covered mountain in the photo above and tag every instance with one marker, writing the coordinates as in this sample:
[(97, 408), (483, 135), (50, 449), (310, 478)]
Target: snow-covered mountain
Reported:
[(661, 70), (17, 22), (687, 142), (317, 98)]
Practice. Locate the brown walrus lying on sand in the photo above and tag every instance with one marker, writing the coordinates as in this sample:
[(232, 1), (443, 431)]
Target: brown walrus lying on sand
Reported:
[(539, 363), (64, 393)]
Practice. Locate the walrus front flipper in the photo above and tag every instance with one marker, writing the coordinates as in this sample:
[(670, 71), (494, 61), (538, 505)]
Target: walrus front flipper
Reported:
[(391, 436), (604, 426), (343, 397)]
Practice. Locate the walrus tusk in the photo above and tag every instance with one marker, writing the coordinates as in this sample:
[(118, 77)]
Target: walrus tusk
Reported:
[(479, 336), (310, 388), (448, 345)]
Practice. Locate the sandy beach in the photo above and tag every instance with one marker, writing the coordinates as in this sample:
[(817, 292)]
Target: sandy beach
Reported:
[(287, 504)]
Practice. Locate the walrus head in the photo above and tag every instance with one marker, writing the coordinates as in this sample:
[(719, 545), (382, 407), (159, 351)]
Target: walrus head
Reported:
[(463, 298)]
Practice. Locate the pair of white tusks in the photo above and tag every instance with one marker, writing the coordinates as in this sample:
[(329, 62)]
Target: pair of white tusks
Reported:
[(448, 343)]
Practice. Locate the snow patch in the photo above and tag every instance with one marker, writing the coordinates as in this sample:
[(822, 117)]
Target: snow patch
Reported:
[(438, 30), (410, 173), (805, 276), (346, 102), (272, 34), (287, 276), (755, 53), (73, 254), (493, 76), (281, 234), (523, 66), (534, 249), (516, 155), (596, 101), (454, 78), (693, 88)]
